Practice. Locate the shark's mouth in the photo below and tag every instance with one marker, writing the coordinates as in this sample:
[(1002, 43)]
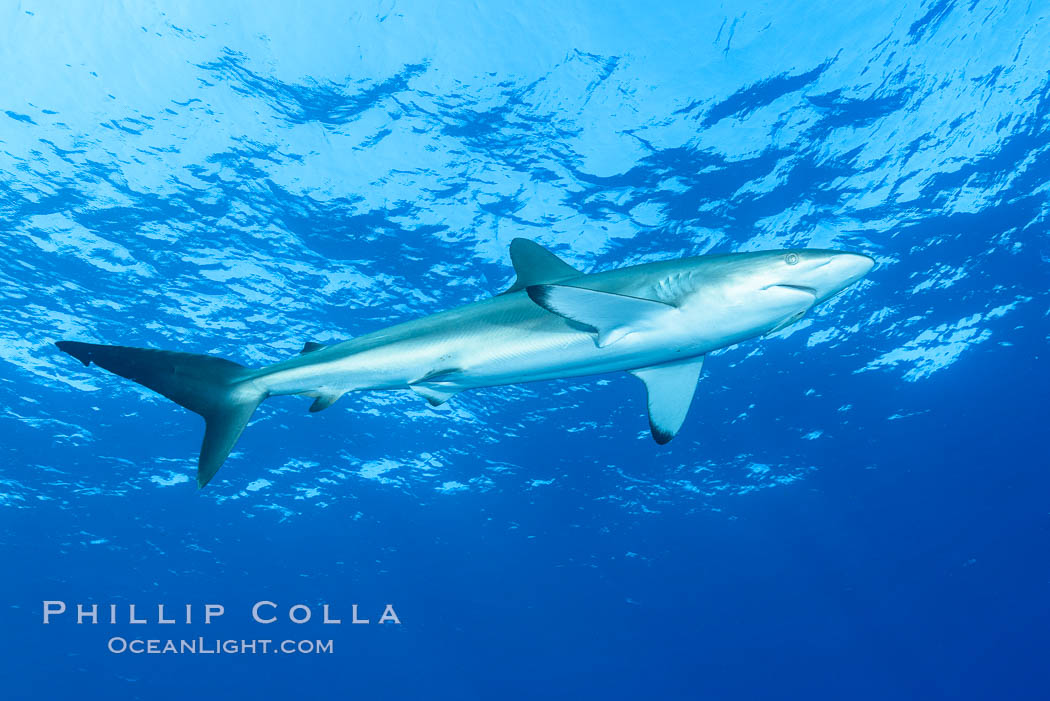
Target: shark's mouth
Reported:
[(793, 294), (800, 288)]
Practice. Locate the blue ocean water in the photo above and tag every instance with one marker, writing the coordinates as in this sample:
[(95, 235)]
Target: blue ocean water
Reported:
[(856, 507)]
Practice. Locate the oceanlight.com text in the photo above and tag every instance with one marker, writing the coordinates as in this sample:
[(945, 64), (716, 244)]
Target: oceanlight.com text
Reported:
[(205, 646)]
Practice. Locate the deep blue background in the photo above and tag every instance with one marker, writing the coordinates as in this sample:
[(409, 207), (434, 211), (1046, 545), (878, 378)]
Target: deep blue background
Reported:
[(855, 508)]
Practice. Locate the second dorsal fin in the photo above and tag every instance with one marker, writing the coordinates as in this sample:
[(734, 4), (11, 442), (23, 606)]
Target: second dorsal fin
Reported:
[(535, 265)]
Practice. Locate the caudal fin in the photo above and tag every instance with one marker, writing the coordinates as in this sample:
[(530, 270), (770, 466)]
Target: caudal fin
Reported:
[(212, 387)]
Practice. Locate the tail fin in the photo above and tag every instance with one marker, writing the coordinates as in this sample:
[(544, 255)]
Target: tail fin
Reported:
[(211, 387)]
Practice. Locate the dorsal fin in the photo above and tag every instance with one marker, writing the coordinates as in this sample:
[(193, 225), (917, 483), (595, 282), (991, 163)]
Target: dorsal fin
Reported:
[(535, 265), (311, 346)]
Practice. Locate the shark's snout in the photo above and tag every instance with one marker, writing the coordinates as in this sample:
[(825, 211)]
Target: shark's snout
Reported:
[(831, 272), (850, 269), (854, 265)]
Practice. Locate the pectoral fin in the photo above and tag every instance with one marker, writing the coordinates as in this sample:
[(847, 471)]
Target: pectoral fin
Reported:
[(670, 387), (611, 315), (535, 265), (787, 322)]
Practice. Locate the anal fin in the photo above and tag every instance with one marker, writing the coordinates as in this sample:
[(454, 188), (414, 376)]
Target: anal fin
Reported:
[(324, 400)]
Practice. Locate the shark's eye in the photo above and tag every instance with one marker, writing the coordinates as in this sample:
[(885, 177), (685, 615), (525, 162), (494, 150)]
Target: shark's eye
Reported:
[(791, 258)]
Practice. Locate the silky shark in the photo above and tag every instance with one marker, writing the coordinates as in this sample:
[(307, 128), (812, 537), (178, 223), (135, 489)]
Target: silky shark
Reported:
[(656, 321)]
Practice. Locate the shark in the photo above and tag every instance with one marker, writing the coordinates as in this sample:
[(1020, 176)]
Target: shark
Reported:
[(656, 321)]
